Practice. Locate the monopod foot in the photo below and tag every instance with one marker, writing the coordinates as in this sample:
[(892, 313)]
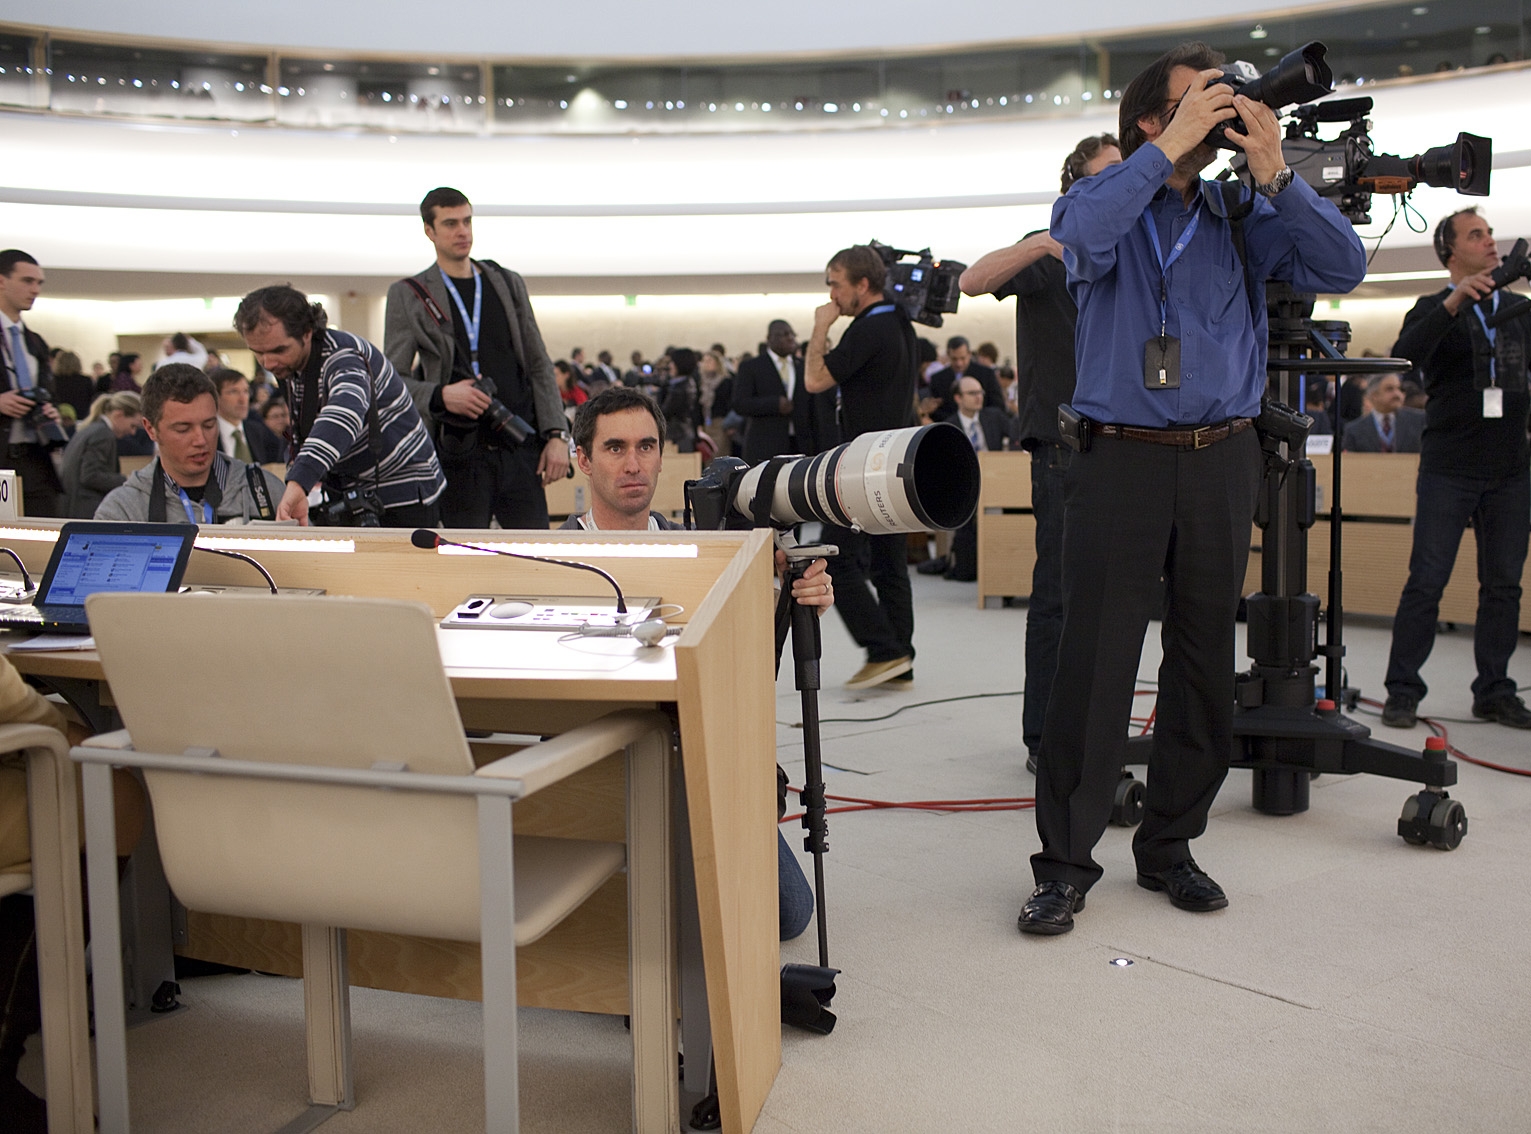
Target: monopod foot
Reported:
[(806, 992)]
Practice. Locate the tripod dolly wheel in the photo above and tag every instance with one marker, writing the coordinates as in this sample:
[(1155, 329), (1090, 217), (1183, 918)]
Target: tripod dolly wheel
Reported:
[(1127, 808), (1432, 817), (1448, 824)]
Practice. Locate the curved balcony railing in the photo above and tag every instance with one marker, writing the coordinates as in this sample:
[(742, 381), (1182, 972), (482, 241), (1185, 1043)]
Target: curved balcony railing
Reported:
[(69, 74)]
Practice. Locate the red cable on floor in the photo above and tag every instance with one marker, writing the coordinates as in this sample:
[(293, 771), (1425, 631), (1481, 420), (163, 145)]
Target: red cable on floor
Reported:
[(1440, 730), (1003, 803)]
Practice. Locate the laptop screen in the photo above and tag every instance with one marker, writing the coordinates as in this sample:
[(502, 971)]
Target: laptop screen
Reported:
[(149, 561)]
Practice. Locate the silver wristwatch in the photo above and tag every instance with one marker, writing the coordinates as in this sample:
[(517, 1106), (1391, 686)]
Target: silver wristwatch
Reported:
[(1276, 184)]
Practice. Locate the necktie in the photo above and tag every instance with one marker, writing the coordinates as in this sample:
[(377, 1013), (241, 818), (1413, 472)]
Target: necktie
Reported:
[(974, 437), (788, 373), (241, 449), (1387, 433), (19, 359)]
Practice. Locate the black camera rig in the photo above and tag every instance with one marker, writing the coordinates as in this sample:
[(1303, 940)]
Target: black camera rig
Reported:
[(926, 289)]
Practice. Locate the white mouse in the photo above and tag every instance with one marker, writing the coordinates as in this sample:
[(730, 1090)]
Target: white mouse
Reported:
[(511, 608)]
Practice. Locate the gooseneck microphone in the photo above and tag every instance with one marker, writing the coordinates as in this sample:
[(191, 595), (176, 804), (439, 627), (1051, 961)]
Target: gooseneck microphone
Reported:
[(270, 582), (426, 539), (26, 580)]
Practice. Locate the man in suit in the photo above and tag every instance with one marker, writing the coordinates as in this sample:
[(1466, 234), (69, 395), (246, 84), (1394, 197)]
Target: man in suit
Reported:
[(959, 363), (446, 329), (988, 429), (781, 416), (241, 434), (1388, 426), (26, 381)]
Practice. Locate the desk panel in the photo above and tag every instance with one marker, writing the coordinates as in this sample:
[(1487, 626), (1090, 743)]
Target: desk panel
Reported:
[(1007, 531)]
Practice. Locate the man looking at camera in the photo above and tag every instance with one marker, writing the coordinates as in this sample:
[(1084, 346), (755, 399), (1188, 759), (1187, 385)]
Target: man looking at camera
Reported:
[(875, 366), (1171, 367), (448, 330), (1472, 465), (356, 430)]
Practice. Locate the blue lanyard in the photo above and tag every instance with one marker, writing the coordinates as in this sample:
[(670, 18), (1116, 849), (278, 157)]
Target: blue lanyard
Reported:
[(1165, 265), (1492, 333), (191, 510), (472, 324)]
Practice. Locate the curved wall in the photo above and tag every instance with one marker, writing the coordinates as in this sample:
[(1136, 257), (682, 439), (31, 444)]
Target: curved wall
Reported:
[(614, 29)]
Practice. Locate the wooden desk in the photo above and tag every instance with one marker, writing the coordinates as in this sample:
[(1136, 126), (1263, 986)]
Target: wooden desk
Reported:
[(1007, 531), (1378, 500), (723, 695)]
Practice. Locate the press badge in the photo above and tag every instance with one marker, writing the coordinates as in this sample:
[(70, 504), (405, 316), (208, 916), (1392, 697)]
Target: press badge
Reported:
[(1161, 363), (1493, 402)]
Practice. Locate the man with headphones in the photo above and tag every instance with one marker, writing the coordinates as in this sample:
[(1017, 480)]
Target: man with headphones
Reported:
[(1032, 271), (1472, 466)]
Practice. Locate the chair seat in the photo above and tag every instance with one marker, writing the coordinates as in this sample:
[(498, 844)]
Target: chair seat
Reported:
[(16, 883), (554, 876)]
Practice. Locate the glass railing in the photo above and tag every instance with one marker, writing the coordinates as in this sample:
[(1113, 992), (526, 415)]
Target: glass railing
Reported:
[(71, 75)]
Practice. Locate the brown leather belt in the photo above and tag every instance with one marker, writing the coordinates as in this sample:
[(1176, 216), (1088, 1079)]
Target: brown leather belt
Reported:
[(1198, 438)]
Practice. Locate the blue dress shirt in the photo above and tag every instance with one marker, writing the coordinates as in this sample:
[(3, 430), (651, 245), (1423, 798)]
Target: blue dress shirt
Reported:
[(1114, 277)]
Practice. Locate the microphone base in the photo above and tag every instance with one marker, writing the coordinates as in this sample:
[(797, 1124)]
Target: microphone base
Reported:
[(564, 613)]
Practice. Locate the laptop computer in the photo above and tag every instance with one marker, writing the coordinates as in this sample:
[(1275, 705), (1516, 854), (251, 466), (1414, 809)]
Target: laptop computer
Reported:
[(140, 558)]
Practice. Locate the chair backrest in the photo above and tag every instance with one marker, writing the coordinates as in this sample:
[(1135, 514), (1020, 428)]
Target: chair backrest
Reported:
[(303, 680)]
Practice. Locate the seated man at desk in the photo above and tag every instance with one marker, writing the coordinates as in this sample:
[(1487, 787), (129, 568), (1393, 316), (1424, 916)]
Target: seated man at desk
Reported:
[(1388, 426), (192, 478), (619, 445)]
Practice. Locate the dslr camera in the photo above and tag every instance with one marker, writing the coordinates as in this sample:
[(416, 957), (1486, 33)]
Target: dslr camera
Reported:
[(49, 432), (513, 428), (349, 508)]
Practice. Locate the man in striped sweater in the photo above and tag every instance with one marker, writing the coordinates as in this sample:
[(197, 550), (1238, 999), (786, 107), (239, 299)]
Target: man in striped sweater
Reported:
[(357, 431)]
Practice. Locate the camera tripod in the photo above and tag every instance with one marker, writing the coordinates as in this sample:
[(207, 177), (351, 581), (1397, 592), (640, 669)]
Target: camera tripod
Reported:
[(1282, 730)]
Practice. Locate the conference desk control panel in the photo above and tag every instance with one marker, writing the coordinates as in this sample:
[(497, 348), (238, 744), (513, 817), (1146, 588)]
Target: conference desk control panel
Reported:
[(544, 612)]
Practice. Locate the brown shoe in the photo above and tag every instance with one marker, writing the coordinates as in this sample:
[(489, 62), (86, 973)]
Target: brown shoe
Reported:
[(875, 673)]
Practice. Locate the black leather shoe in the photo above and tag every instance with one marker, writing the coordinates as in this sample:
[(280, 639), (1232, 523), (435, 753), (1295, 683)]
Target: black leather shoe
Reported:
[(1051, 908), (1507, 710), (1399, 712), (936, 566), (1188, 886), (1031, 762)]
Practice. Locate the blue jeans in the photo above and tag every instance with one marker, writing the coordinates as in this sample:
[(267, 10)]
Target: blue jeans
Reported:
[(1500, 511), (1044, 610), (794, 894)]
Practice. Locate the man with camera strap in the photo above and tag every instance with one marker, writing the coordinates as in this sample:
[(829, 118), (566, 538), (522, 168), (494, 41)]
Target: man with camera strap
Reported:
[(463, 336)]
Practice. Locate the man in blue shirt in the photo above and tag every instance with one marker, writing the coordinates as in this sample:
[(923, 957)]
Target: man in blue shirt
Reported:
[(1171, 358)]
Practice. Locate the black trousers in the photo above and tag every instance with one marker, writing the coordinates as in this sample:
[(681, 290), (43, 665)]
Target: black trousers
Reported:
[(1137, 510), (882, 623), (502, 483), (40, 485)]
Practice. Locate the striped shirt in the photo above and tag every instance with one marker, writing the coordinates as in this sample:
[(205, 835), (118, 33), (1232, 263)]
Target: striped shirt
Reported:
[(352, 373)]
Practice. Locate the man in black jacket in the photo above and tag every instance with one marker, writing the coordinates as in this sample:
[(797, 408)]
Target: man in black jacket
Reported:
[(25, 376), (960, 363), (1472, 466), (781, 416)]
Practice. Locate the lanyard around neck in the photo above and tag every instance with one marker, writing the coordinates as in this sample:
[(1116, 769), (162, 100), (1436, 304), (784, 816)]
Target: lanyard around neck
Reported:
[(1166, 264), (1491, 333), (471, 324), (192, 510)]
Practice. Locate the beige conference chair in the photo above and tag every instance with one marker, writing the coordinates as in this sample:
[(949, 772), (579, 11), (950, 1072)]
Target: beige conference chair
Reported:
[(337, 790)]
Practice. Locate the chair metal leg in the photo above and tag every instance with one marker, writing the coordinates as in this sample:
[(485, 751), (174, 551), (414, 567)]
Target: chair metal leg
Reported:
[(651, 939), (60, 940), (327, 1017), (497, 943), (106, 948)]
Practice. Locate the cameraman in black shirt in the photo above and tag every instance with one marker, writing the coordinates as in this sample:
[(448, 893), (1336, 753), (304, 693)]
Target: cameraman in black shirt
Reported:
[(1032, 271), (875, 367)]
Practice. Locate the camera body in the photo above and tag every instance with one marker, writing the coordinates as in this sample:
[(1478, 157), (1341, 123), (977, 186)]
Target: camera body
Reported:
[(1515, 266), (1300, 76), (350, 508), (49, 432), (512, 427), (926, 289)]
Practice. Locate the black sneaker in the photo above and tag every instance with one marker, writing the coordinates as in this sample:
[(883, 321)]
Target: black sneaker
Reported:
[(1508, 710), (1399, 712)]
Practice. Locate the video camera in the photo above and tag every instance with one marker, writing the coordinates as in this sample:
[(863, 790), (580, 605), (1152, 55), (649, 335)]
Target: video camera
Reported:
[(1347, 170), (926, 289)]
